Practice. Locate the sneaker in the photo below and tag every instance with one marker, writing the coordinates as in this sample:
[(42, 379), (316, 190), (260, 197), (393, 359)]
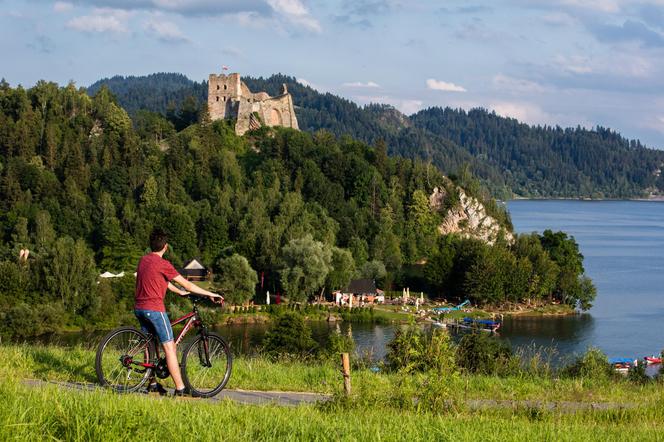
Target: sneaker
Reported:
[(185, 392), (156, 387)]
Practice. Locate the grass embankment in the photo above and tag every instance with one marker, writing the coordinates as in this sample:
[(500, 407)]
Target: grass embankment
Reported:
[(38, 414), (382, 408), (323, 376)]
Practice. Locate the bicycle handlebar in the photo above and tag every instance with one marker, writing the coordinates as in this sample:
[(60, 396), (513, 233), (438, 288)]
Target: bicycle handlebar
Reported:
[(198, 298)]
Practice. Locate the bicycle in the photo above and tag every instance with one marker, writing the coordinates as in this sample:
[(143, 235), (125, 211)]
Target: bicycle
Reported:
[(127, 358)]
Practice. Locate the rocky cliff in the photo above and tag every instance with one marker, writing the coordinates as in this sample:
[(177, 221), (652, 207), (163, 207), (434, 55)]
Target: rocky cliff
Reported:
[(467, 217)]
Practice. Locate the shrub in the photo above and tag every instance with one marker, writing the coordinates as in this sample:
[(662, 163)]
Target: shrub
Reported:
[(638, 375), (591, 365), (414, 349), (289, 335), (482, 353), (338, 343), (23, 320)]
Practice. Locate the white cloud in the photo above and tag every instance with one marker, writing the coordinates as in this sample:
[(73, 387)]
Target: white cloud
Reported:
[(165, 31), (369, 84), (409, 107), (101, 20), (524, 112), (516, 85), (405, 105), (439, 85), (304, 82), (575, 64), (294, 12), (62, 6), (655, 123), (608, 6), (626, 64)]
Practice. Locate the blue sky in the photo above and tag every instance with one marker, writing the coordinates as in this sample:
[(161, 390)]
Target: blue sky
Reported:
[(565, 62)]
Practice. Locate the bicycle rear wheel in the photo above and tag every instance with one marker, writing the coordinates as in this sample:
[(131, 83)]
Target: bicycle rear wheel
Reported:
[(119, 360), (206, 365)]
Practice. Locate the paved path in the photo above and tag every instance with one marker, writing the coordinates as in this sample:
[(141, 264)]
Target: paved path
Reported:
[(253, 397), (292, 398)]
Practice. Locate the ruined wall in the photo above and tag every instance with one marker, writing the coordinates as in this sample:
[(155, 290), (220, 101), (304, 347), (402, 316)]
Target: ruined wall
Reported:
[(229, 97)]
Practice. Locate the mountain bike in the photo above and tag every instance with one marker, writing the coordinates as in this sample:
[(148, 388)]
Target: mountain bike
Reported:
[(127, 358)]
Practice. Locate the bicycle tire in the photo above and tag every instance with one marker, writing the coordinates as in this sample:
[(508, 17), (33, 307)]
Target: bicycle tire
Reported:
[(116, 345), (201, 380)]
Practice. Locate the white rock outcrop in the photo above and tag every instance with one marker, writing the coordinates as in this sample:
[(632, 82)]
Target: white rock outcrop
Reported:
[(468, 218)]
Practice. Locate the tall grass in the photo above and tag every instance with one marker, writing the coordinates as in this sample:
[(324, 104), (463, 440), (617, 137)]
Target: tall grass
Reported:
[(323, 376), (51, 413)]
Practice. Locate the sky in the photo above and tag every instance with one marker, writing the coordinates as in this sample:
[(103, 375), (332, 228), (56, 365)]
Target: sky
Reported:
[(554, 62)]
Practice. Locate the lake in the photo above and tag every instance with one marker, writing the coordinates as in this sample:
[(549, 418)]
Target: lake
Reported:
[(623, 246)]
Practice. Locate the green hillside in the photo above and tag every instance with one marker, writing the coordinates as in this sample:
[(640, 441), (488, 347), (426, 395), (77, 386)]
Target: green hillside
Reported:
[(82, 185), (510, 158)]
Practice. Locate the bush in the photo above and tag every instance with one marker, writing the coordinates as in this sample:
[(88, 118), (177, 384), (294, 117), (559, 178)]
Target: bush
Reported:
[(24, 321), (483, 354), (638, 375), (592, 365), (414, 349), (289, 335), (338, 343)]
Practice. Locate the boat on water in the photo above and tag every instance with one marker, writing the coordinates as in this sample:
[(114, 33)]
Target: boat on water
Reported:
[(475, 324), (623, 365), (451, 309), (651, 360)]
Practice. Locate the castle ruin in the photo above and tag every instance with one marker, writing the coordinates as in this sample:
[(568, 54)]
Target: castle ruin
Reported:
[(229, 97)]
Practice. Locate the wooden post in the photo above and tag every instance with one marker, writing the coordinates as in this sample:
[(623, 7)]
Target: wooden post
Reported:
[(345, 364)]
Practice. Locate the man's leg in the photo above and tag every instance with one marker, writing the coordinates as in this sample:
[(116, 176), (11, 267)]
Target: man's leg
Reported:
[(173, 365)]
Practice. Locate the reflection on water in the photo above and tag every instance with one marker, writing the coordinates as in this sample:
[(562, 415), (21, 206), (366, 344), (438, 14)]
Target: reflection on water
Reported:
[(562, 336), (369, 339)]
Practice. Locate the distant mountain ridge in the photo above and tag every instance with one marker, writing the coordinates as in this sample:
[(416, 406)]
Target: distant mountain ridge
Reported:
[(509, 157)]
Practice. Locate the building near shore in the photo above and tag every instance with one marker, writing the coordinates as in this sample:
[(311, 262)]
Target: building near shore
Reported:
[(230, 98), (362, 291)]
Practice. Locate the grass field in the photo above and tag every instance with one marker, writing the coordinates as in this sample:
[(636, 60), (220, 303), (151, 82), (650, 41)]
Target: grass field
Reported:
[(382, 407)]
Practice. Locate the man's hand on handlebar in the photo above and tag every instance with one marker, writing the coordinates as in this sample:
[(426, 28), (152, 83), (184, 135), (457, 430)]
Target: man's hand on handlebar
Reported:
[(217, 299)]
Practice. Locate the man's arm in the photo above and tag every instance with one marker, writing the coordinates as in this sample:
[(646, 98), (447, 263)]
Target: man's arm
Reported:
[(174, 289), (193, 288)]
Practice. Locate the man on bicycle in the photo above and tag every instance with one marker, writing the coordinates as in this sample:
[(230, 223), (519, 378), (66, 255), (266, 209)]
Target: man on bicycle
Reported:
[(154, 276)]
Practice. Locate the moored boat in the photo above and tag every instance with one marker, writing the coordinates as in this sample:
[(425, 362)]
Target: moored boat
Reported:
[(650, 360), (622, 365)]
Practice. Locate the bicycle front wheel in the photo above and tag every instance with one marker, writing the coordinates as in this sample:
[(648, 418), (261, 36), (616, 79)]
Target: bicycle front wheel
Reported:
[(206, 365), (121, 359)]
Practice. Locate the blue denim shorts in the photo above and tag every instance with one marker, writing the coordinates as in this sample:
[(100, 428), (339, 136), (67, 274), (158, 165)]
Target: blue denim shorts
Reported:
[(156, 323)]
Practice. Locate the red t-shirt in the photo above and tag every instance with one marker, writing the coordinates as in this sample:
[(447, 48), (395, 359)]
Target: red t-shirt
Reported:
[(152, 277)]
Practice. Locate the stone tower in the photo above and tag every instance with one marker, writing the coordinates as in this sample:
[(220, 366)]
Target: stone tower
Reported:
[(229, 97)]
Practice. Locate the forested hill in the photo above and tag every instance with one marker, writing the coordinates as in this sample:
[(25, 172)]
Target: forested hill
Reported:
[(82, 184), (510, 158)]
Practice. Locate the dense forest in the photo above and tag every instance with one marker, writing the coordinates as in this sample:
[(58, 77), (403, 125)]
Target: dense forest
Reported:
[(82, 184), (510, 158)]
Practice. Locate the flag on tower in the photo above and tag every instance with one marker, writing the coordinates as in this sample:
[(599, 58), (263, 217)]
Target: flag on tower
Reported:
[(224, 67)]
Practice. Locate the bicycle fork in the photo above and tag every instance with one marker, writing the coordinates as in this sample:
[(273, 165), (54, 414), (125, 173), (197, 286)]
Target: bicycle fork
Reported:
[(204, 351)]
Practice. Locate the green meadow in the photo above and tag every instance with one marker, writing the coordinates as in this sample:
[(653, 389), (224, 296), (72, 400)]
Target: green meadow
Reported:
[(383, 406)]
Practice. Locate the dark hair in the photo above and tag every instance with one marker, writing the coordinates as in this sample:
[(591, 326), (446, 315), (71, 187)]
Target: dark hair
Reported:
[(158, 239)]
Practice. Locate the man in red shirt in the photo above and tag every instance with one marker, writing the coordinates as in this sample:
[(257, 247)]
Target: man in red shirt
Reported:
[(153, 277)]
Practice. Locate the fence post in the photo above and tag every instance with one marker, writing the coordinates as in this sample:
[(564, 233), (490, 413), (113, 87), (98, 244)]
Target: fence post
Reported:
[(345, 364)]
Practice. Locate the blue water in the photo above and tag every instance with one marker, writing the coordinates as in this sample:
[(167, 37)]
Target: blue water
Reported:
[(623, 246)]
